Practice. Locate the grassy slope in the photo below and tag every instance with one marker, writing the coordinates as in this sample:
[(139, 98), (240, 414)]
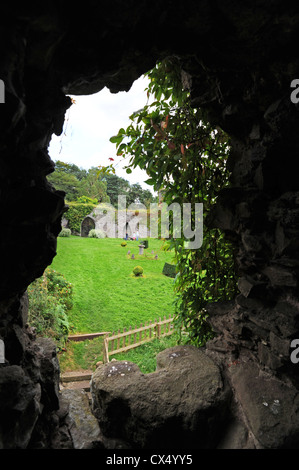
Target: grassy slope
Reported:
[(107, 296)]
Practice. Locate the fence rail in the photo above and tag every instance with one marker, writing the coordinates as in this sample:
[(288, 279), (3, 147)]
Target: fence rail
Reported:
[(132, 338), (83, 337)]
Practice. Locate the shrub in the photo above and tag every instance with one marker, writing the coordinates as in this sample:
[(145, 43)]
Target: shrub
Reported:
[(138, 270), (123, 244), (65, 232), (76, 212), (50, 297), (96, 233), (87, 200), (59, 287)]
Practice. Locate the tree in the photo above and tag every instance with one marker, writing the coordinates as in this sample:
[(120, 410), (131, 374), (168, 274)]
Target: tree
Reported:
[(93, 186), (116, 186), (183, 154), (147, 198), (67, 182), (137, 194), (70, 168)]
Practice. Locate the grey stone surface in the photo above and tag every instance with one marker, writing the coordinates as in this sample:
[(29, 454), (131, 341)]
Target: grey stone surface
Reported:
[(270, 406), (184, 403), (81, 423)]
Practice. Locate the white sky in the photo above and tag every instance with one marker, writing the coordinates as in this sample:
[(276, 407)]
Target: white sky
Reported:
[(89, 125)]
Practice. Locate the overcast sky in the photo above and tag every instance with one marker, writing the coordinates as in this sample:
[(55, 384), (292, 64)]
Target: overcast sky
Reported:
[(89, 125)]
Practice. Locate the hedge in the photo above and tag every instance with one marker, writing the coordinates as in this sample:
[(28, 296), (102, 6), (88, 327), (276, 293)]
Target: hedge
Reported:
[(76, 213)]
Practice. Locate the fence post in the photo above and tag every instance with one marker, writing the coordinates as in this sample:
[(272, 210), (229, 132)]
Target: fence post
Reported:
[(124, 338), (118, 339), (140, 332), (106, 349), (158, 330), (129, 337)]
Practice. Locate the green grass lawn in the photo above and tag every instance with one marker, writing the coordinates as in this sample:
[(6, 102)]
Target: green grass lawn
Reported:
[(107, 296)]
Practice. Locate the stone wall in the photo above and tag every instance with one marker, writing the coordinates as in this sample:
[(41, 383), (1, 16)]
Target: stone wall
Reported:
[(240, 61)]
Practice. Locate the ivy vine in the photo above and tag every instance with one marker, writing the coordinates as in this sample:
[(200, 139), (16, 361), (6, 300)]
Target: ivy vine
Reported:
[(187, 158)]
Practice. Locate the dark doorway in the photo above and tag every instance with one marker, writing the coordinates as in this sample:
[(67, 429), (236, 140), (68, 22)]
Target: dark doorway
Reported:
[(87, 225)]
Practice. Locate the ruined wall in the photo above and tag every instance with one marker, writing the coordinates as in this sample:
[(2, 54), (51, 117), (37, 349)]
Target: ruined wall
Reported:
[(241, 61)]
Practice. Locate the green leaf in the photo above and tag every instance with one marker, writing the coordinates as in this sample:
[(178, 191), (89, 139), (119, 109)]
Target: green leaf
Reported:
[(128, 170), (146, 120), (116, 139), (150, 181)]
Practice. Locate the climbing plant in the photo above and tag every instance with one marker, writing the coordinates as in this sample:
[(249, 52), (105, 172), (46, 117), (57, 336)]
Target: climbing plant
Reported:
[(50, 300), (185, 157), (76, 213)]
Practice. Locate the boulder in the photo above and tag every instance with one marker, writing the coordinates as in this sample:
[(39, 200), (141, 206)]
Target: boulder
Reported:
[(82, 426), (19, 407), (270, 406), (183, 404)]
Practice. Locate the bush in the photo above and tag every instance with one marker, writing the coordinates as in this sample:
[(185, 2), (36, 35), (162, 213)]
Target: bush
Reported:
[(59, 287), (123, 244), (87, 200), (76, 212), (138, 270), (50, 297), (65, 232), (96, 233)]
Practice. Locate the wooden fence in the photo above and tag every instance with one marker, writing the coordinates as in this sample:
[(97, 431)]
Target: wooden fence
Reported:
[(83, 337), (132, 338)]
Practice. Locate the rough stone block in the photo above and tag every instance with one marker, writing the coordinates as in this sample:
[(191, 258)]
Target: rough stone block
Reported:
[(82, 425), (181, 405), (19, 407), (271, 407)]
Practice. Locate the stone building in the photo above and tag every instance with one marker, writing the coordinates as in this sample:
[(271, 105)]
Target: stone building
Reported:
[(114, 224)]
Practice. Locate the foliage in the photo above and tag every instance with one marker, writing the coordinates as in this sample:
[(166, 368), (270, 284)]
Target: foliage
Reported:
[(116, 186), (67, 182), (137, 195), (50, 298), (65, 232), (186, 158), (93, 186), (138, 271), (96, 233), (77, 182), (76, 213), (71, 169), (134, 193), (86, 200), (145, 356)]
